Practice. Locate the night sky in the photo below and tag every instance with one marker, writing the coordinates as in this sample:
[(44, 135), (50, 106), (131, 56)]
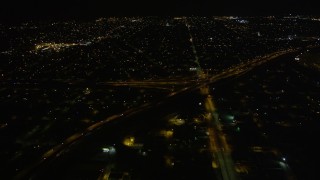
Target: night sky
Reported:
[(40, 9)]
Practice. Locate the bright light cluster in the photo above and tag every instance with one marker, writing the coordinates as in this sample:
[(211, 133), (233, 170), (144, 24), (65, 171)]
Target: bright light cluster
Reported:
[(54, 46)]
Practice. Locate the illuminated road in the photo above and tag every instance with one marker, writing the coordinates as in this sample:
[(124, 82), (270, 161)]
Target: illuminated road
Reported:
[(158, 84), (191, 83), (218, 145), (200, 72), (217, 140)]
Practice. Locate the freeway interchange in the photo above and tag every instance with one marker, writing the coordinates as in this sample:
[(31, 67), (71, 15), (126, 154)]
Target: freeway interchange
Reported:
[(219, 148)]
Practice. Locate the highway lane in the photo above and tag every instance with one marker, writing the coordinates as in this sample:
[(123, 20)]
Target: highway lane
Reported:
[(219, 147)]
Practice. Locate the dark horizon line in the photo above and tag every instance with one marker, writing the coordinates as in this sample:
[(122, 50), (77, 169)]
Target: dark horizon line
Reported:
[(19, 19)]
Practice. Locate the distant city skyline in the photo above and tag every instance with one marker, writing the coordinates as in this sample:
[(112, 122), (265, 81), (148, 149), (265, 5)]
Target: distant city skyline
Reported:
[(36, 9)]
